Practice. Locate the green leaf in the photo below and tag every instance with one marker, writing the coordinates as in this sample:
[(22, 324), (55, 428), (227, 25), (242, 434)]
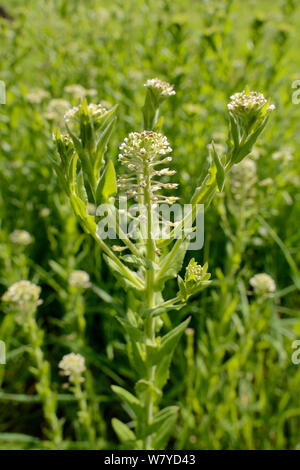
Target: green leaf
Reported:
[(134, 333), (159, 310), (160, 421), (182, 289), (164, 421), (150, 109), (162, 356), (107, 185), (174, 266), (80, 188), (220, 176), (17, 437), (234, 131), (134, 404), (122, 430), (103, 142), (87, 221), (247, 147), (119, 274)]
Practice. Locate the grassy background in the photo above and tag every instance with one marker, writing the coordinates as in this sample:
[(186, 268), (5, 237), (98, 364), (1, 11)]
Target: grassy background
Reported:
[(233, 378)]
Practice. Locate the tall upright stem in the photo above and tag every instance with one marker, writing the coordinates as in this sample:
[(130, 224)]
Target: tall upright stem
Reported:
[(150, 299)]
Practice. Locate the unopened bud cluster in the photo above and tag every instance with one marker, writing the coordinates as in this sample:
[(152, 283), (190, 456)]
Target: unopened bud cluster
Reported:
[(196, 273)]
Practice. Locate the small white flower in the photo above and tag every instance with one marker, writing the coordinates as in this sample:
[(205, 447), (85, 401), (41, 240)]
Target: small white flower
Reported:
[(45, 212), (20, 237), (72, 366), (94, 110), (262, 284), (79, 278), (164, 88), (22, 296)]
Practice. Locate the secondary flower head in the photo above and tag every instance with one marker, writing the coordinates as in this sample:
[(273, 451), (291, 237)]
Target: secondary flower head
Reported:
[(196, 273), (22, 296), (160, 87), (94, 110), (79, 278), (20, 237), (196, 278), (245, 170), (56, 109), (263, 284), (249, 107), (72, 366), (36, 96), (78, 91)]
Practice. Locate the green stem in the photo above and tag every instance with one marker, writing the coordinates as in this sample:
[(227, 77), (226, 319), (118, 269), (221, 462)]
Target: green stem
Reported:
[(127, 273), (84, 416), (48, 397), (150, 301)]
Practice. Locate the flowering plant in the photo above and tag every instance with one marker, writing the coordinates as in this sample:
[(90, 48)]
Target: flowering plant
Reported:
[(150, 263)]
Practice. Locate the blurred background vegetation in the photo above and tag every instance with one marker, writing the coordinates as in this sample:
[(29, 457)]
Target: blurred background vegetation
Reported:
[(232, 374)]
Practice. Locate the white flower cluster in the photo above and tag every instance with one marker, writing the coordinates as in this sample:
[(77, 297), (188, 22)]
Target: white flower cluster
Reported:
[(147, 144), (243, 181), (78, 91), (79, 278), (245, 170), (37, 95), (144, 150), (248, 104), (164, 88), (20, 237), (262, 284), (22, 296), (72, 366), (94, 110), (56, 109)]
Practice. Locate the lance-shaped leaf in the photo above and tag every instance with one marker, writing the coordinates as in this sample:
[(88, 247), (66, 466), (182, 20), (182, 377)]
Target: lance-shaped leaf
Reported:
[(150, 109), (162, 356), (220, 176), (247, 147), (105, 132), (133, 403), (107, 185), (123, 432)]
